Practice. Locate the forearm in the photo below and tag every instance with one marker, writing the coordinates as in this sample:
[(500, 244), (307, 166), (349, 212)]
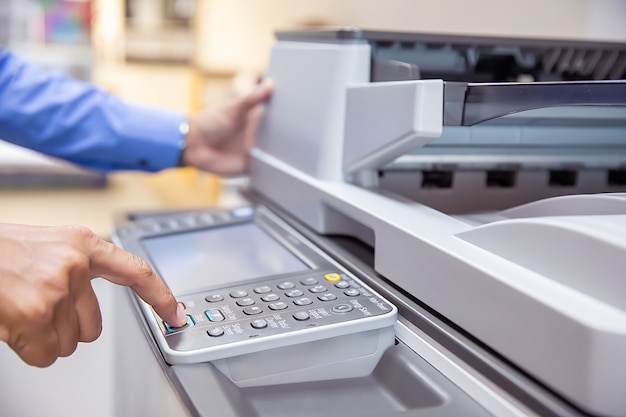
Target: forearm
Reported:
[(69, 119)]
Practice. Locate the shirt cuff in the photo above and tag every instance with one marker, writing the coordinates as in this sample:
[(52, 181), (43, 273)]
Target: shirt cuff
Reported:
[(150, 139)]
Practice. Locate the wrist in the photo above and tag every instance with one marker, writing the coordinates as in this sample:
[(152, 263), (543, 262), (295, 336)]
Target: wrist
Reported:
[(183, 129)]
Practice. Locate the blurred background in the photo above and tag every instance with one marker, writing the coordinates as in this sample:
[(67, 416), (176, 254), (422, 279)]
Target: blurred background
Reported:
[(185, 55)]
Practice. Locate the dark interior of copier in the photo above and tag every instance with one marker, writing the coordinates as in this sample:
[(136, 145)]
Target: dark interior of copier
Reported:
[(559, 152)]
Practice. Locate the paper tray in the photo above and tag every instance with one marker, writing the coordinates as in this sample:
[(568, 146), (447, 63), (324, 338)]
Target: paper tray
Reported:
[(402, 384)]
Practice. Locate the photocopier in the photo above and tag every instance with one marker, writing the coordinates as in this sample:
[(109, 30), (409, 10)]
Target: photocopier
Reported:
[(434, 225)]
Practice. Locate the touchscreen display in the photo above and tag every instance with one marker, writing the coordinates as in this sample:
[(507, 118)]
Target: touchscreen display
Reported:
[(193, 261)]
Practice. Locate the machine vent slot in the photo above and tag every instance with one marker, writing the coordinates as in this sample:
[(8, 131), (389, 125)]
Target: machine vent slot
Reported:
[(437, 179), (501, 179), (617, 177), (563, 178)]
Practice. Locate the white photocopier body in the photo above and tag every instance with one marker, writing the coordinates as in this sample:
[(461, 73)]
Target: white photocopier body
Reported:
[(541, 282), (492, 214)]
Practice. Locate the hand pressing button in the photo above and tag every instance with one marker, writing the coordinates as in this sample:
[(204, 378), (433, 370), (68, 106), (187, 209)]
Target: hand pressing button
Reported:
[(171, 329)]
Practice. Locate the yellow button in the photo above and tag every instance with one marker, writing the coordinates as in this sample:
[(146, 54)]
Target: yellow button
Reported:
[(332, 277)]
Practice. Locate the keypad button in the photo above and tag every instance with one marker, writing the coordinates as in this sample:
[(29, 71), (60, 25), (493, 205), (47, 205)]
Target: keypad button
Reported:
[(301, 316), (304, 301), (327, 297), (342, 308), (215, 332), (259, 324), (150, 228), (309, 281), (191, 221), (352, 292), (172, 329), (244, 302), (278, 306), (182, 224), (205, 218), (342, 284), (252, 311), (214, 315), (287, 285), (270, 297), (332, 277), (238, 293), (222, 217), (214, 298), (264, 289), (294, 293), (124, 231), (164, 226), (317, 289), (241, 212)]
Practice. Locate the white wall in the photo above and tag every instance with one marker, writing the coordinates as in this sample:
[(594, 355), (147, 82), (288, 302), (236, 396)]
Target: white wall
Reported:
[(236, 34), (606, 19)]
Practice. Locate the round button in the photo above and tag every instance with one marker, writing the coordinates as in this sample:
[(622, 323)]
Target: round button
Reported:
[(352, 292), (243, 302), (332, 277), (304, 301), (270, 297), (215, 332), (342, 284), (327, 297), (214, 298), (342, 308), (238, 294), (259, 324), (317, 289), (287, 285), (214, 315), (309, 281), (264, 289), (294, 293), (301, 316), (278, 306), (251, 311)]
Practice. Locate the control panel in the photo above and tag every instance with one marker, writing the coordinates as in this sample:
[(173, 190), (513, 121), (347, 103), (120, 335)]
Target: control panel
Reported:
[(272, 307), (250, 283)]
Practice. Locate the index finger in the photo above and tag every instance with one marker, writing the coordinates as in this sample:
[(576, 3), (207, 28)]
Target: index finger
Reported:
[(123, 268)]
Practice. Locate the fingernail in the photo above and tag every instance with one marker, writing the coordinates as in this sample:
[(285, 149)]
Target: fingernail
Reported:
[(265, 84), (181, 316)]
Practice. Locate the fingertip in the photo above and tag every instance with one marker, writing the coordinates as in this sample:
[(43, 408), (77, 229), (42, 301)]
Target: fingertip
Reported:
[(181, 316), (174, 317)]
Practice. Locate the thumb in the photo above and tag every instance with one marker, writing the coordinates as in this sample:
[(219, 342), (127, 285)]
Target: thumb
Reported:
[(261, 93)]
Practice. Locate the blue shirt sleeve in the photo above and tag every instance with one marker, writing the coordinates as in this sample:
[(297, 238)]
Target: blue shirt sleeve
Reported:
[(69, 119)]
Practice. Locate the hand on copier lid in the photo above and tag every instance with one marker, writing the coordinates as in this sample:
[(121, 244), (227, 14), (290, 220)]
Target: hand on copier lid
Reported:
[(47, 304), (219, 138)]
